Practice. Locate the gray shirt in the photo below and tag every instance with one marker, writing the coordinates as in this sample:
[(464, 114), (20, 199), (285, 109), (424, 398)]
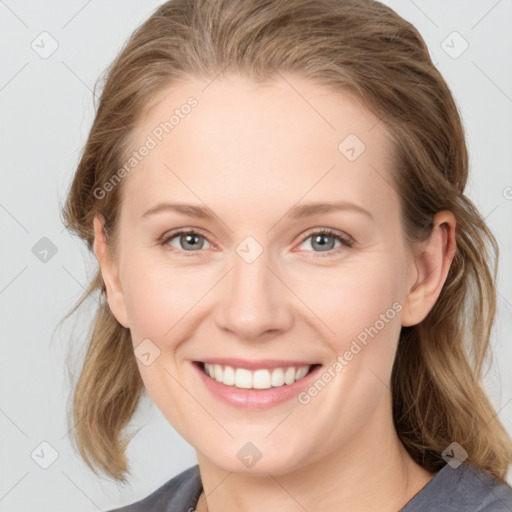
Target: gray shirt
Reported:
[(464, 489)]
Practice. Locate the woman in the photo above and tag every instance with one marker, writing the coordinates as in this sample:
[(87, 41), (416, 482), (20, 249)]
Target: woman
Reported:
[(274, 192)]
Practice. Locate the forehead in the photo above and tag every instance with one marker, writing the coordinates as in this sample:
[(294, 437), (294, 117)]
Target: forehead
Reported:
[(272, 142)]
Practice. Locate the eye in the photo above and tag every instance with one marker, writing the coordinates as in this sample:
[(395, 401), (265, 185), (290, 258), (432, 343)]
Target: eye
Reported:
[(184, 241), (325, 241), (322, 241)]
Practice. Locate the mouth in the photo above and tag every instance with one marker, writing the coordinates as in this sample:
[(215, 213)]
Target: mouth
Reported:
[(258, 378)]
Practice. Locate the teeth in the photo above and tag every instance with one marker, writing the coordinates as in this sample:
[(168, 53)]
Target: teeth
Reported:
[(258, 379)]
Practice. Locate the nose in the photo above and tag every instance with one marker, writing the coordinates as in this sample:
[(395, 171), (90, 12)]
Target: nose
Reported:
[(255, 302)]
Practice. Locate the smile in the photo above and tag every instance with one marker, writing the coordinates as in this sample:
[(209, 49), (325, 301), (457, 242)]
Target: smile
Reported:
[(255, 385), (244, 378)]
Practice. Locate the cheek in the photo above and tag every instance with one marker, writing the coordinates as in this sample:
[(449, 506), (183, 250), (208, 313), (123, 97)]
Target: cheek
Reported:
[(356, 299), (158, 296)]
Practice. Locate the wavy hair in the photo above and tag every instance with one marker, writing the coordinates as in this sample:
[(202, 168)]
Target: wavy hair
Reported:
[(360, 47)]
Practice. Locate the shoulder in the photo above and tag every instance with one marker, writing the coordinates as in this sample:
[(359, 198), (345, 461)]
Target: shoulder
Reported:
[(463, 488), (180, 493)]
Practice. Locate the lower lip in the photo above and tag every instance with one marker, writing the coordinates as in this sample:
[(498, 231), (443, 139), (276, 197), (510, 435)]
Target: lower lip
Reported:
[(255, 398)]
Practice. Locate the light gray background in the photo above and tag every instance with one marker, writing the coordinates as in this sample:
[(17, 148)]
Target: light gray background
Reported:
[(46, 113)]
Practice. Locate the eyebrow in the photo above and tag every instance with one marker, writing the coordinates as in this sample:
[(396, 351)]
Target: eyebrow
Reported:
[(297, 212), (185, 209)]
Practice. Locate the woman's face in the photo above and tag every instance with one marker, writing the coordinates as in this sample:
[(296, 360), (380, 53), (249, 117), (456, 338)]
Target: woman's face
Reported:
[(260, 285)]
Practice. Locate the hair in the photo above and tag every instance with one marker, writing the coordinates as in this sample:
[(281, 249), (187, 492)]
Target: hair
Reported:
[(358, 47)]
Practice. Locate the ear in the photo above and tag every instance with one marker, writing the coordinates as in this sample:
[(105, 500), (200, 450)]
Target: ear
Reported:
[(432, 262), (109, 271)]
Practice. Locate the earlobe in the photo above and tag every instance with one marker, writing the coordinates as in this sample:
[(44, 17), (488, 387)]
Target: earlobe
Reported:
[(432, 264), (109, 272)]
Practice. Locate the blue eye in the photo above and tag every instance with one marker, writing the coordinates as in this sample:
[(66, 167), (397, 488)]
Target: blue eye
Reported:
[(188, 241), (191, 241), (325, 241)]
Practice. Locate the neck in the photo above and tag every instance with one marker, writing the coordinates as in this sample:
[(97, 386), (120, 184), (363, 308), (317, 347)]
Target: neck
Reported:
[(370, 471)]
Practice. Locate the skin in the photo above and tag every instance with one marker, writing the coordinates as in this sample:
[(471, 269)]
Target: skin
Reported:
[(250, 152)]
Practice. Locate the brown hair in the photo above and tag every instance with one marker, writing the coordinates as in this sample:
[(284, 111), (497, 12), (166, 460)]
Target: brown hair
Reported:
[(358, 46)]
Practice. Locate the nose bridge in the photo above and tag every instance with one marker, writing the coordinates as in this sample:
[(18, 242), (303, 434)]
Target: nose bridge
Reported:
[(254, 300)]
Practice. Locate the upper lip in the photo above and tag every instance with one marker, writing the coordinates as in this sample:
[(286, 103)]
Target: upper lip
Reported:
[(255, 364)]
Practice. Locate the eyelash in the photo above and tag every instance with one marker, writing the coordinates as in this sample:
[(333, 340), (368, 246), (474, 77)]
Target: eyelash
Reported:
[(346, 240)]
